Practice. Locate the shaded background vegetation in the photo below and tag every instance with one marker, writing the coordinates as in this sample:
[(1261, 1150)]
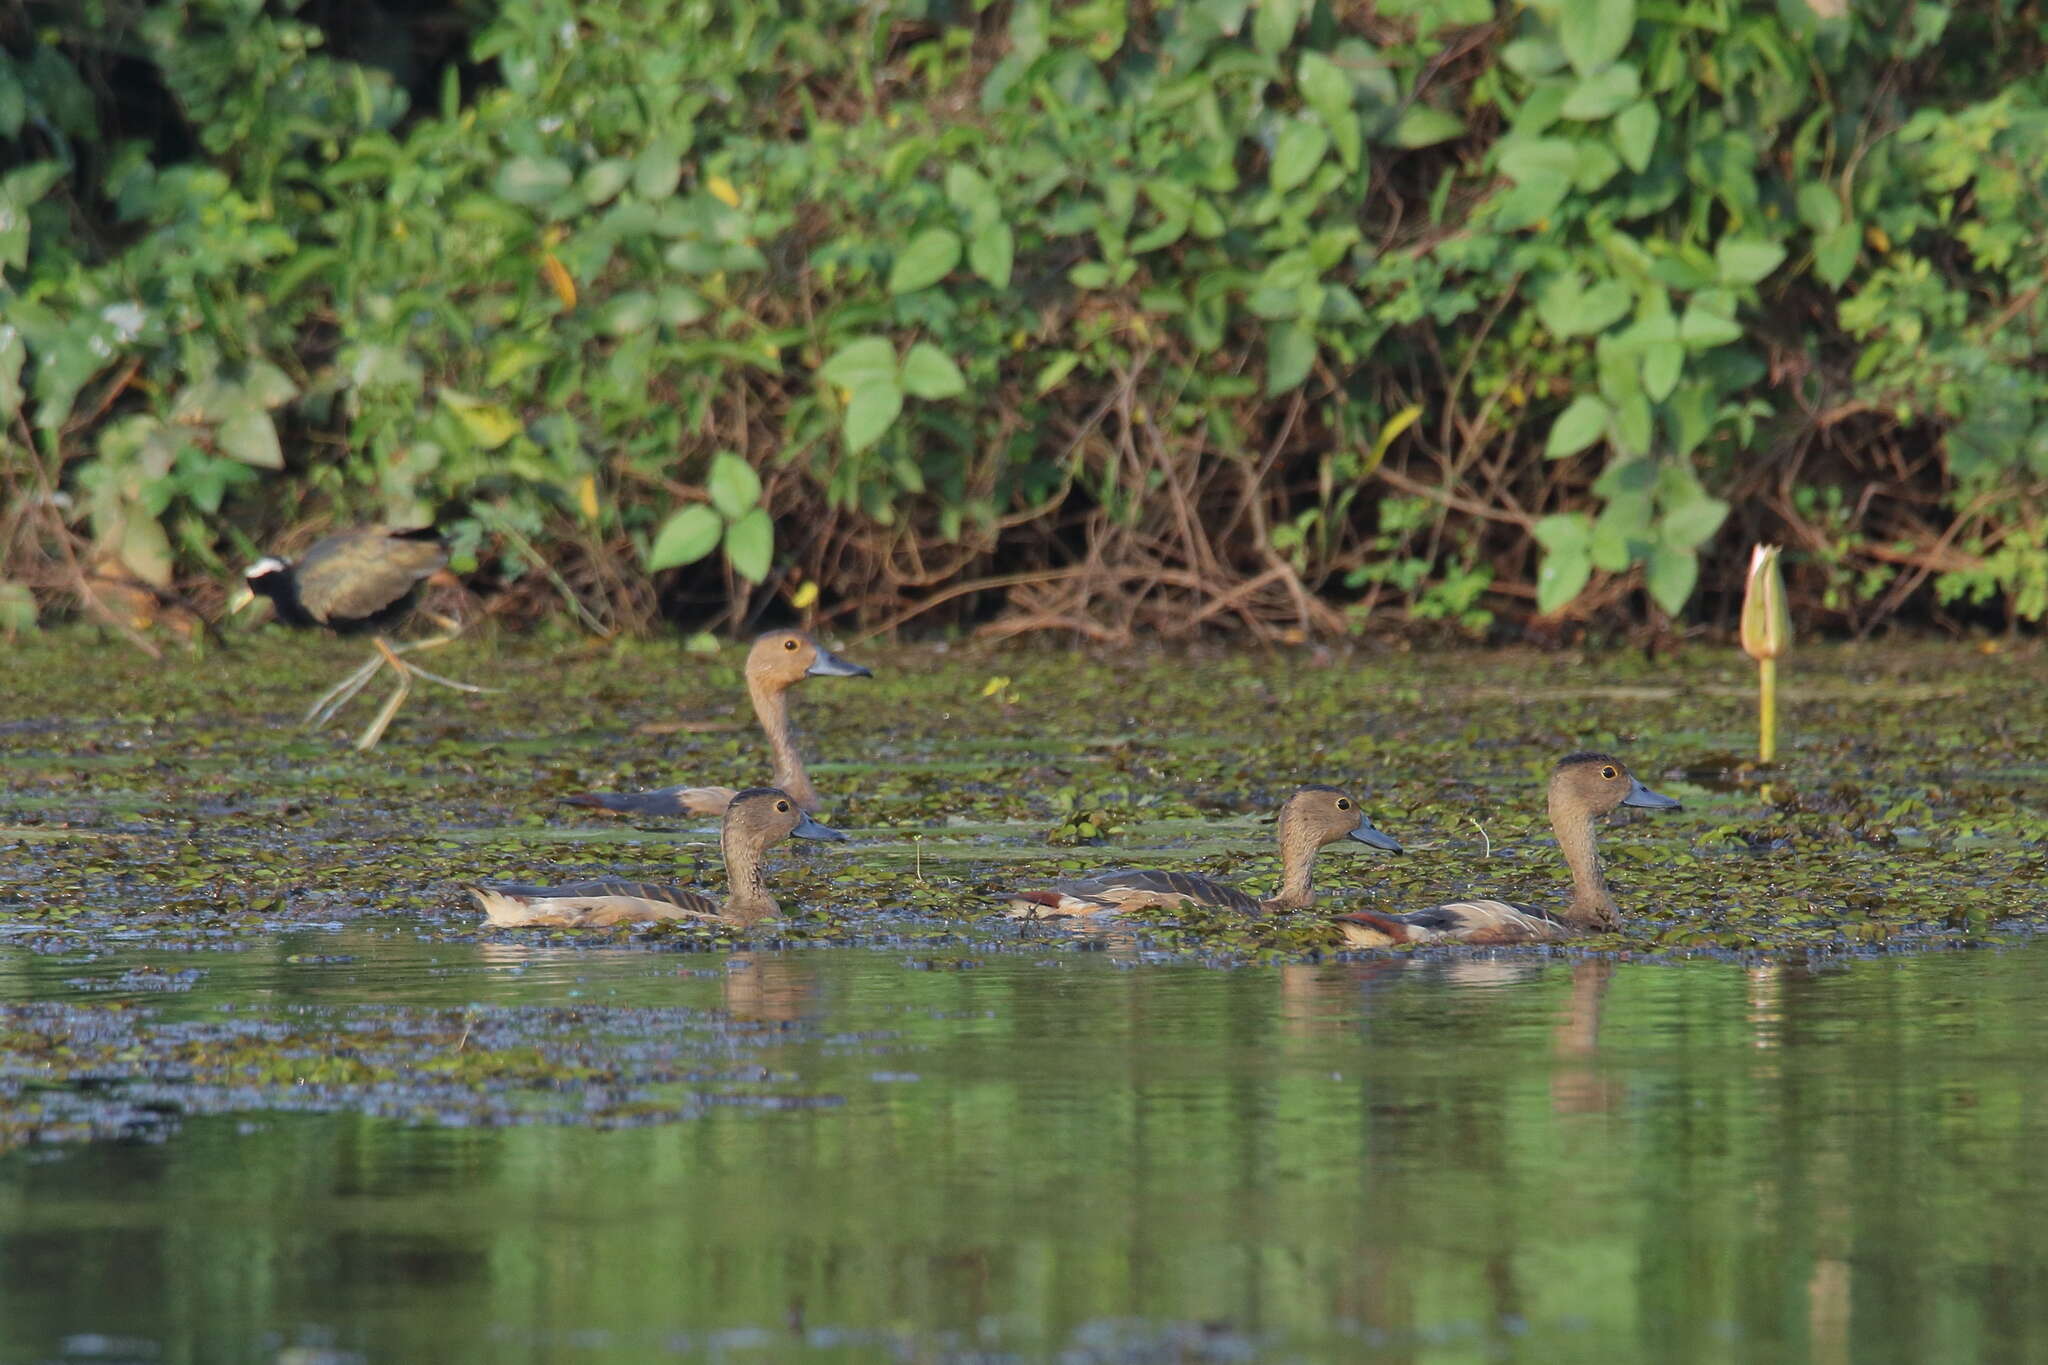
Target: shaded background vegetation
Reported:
[(1297, 317)]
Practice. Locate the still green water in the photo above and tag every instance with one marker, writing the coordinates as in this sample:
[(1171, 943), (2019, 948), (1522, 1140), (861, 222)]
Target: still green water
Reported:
[(1040, 1153)]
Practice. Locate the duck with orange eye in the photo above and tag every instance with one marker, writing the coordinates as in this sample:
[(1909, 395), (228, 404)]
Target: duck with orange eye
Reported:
[(1583, 787), (1312, 818), (778, 661), (756, 820)]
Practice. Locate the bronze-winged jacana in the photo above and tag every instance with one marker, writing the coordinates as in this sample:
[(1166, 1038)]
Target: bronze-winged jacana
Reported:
[(360, 581)]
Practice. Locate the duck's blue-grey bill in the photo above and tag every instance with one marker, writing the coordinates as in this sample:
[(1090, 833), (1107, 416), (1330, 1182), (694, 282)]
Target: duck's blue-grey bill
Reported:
[(830, 665), (807, 828), (1639, 795), (1373, 837)]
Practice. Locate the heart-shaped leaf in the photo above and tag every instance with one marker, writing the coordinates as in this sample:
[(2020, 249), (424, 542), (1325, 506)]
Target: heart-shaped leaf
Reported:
[(685, 538), (734, 487)]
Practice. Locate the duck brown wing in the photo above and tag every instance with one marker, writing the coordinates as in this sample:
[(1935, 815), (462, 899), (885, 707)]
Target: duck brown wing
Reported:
[(1479, 922), (1154, 889), (357, 575), (601, 902), (677, 800)]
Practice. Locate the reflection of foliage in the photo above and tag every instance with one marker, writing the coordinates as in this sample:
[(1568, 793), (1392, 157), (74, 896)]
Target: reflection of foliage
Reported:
[(1208, 314)]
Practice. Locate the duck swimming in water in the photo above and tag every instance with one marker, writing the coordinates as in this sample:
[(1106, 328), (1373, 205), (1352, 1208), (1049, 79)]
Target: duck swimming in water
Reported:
[(755, 820), (1583, 787), (778, 661), (1312, 818)]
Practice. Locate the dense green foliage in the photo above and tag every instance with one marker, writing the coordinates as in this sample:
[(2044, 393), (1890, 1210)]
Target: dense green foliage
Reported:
[(1289, 315)]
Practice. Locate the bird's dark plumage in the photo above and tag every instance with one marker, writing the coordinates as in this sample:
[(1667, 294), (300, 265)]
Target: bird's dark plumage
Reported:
[(661, 801), (353, 581)]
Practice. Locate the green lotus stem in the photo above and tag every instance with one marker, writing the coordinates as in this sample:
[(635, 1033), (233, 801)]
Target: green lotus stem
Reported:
[(1767, 708)]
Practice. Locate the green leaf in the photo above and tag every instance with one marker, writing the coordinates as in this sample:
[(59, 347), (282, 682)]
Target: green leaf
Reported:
[(602, 180), (860, 363), (1635, 135), (1324, 87), (1570, 310), (1533, 57), (1834, 255), (1670, 577), (929, 258), (1162, 234), (490, 425), (992, 253), (1055, 371), (1663, 361), (750, 545), (1567, 559), (872, 411), (1746, 260), (734, 487), (533, 180), (12, 354), (679, 307), (969, 191), (1596, 166), (1563, 531), (1577, 427), (1693, 522), (1620, 532), (1595, 32), (1689, 416), (1820, 208), (251, 437), (657, 171), (13, 103), (1297, 154), (1274, 24), (1290, 354), (1425, 125), (1632, 427), (1703, 326), (627, 313), (1543, 168), (929, 372), (1349, 139), (1602, 93), (685, 538), (1540, 160)]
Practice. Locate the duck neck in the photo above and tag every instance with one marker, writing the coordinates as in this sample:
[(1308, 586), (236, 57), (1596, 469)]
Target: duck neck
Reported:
[(1592, 905), (747, 898), (771, 705), (1297, 862)]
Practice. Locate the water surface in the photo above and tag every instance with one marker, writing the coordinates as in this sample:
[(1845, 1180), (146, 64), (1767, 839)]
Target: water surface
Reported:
[(1039, 1153)]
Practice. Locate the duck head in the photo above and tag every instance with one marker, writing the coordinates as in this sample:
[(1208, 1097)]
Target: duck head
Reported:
[(1318, 816), (761, 816), (783, 658), (1596, 783)]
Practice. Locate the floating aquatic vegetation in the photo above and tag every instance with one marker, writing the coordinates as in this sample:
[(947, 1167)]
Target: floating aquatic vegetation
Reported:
[(177, 805)]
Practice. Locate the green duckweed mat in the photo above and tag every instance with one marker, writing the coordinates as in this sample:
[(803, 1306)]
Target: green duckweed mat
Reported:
[(180, 802)]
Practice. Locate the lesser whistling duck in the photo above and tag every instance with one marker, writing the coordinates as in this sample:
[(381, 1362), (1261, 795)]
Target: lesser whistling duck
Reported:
[(755, 820), (1312, 817), (1583, 787), (778, 661), (358, 581)]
